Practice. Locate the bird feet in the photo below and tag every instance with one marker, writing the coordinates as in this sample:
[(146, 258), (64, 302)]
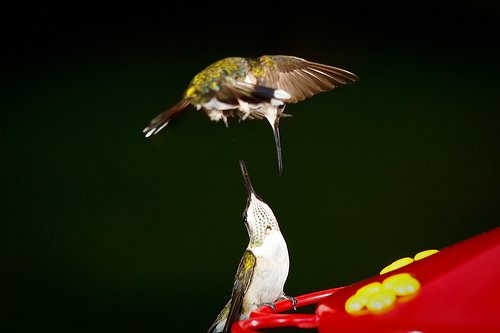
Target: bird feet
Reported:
[(282, 297), (271, 305), (291, 299)]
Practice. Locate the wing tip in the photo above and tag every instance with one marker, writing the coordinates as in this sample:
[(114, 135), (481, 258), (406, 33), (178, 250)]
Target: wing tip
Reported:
[(336, 72)]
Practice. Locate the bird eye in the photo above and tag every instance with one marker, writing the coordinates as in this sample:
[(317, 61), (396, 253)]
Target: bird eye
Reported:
[(245, 217)]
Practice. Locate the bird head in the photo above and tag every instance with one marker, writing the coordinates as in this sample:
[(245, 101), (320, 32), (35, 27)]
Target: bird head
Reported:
[(258, 217)]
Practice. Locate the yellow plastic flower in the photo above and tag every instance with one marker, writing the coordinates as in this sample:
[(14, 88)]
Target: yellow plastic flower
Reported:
[(378, 297)]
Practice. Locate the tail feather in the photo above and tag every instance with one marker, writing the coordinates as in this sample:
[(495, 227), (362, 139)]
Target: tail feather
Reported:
[(161, 120)]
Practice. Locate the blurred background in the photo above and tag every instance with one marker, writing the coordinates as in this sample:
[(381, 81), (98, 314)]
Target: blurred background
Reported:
[(105, 230)]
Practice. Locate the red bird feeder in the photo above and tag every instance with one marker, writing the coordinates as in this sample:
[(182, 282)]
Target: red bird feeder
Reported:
[(453, 291)]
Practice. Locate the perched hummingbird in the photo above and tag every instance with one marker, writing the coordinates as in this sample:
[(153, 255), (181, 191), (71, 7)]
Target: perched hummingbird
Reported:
[(254, 88), (263, 270)]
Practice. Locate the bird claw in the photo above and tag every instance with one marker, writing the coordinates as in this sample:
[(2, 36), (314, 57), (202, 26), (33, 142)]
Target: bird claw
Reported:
[(224, 118), (271, 305), (291, 299)]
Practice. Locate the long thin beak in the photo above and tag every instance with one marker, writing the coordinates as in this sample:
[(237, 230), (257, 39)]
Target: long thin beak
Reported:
[(274, 120), (277, 139), (246, 177)]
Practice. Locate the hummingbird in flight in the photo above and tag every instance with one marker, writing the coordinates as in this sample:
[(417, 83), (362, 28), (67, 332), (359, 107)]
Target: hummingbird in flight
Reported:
[(263, 269), (254, 88)]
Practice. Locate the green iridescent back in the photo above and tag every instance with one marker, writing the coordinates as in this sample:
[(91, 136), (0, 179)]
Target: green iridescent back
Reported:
[(209, 79)]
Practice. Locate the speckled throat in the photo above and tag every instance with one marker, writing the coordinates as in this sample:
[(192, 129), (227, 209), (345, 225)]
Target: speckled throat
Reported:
[(260, 221)]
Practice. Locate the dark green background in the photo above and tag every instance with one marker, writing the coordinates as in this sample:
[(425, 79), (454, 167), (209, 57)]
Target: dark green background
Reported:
[(105, 230)]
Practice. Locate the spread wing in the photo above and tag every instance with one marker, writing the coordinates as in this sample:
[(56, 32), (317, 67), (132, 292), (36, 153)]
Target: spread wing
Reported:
[(302, 78), (242, 281)]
